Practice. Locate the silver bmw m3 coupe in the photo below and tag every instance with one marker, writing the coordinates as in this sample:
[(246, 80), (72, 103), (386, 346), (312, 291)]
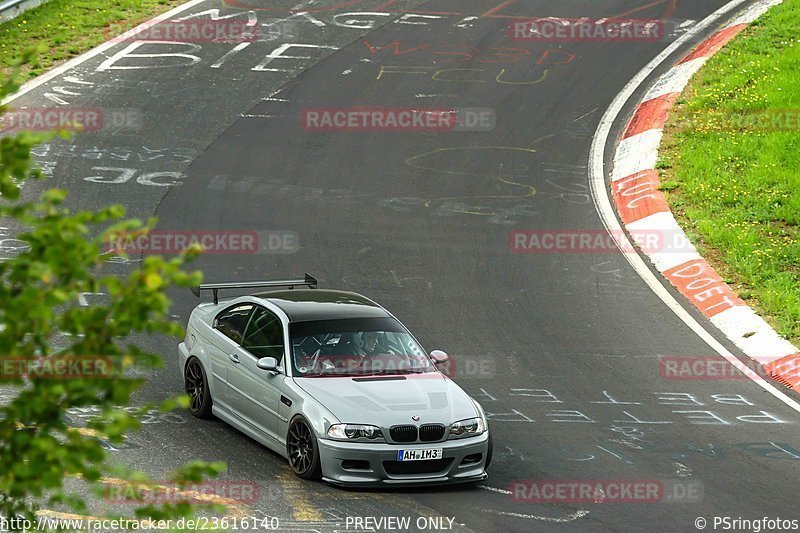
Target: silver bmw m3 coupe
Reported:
[(333, 382)]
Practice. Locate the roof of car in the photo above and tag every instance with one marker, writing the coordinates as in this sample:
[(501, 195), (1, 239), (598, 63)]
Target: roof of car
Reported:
[(320, 304)]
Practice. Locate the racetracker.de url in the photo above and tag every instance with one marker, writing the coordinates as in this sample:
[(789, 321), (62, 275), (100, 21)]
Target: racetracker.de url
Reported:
[(46, 523)]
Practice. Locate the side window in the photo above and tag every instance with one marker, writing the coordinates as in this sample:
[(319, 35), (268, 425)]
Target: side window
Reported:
[(264, 335), (232, 321)]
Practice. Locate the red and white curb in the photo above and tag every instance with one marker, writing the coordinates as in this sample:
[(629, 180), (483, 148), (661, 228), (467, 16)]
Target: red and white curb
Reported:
[(643, 208)]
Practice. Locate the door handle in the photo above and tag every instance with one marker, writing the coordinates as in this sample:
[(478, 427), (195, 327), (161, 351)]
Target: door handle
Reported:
[(233, 357)]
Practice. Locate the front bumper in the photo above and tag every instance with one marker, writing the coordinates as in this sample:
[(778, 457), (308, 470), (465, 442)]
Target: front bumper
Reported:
[(378, 467)]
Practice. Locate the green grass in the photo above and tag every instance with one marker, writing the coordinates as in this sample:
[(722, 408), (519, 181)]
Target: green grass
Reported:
[(737, 189), (66, 28)]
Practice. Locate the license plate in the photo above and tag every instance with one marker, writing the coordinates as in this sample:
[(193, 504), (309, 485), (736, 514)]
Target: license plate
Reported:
[(427, 454)]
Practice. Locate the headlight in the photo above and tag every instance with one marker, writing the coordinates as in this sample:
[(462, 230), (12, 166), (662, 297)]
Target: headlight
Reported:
[(468, 427), (353, 431)]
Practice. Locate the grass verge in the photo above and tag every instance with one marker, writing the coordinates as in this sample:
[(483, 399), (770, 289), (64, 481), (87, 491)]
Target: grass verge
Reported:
[(730, 165), (67, 28)]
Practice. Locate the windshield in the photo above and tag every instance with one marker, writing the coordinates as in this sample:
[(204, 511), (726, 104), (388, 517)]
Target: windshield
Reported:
[(355, 347)]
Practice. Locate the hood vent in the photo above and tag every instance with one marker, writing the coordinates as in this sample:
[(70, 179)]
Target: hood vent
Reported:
[(381, 378)]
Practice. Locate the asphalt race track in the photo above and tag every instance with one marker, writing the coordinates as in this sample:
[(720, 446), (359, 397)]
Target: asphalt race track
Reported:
[(561, 349)]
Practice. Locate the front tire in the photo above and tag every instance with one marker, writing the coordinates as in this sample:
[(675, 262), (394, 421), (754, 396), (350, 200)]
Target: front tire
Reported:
[(196, 386), (303, 450)]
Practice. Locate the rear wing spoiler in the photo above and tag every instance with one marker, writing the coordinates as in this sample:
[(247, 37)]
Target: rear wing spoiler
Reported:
[(308, 281)]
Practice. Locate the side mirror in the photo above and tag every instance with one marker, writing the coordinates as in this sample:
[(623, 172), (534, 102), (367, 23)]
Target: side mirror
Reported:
[(268, 363), (438, 356)]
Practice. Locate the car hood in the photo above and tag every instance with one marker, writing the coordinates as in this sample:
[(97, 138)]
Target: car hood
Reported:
[(387, 401)]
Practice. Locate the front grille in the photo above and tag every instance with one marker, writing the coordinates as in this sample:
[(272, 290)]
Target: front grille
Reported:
[(403, 433), (431, 432), (396, 468)]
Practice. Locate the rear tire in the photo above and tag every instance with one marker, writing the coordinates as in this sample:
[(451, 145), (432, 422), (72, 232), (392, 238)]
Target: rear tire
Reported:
[(196, 386), (303, 451)]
